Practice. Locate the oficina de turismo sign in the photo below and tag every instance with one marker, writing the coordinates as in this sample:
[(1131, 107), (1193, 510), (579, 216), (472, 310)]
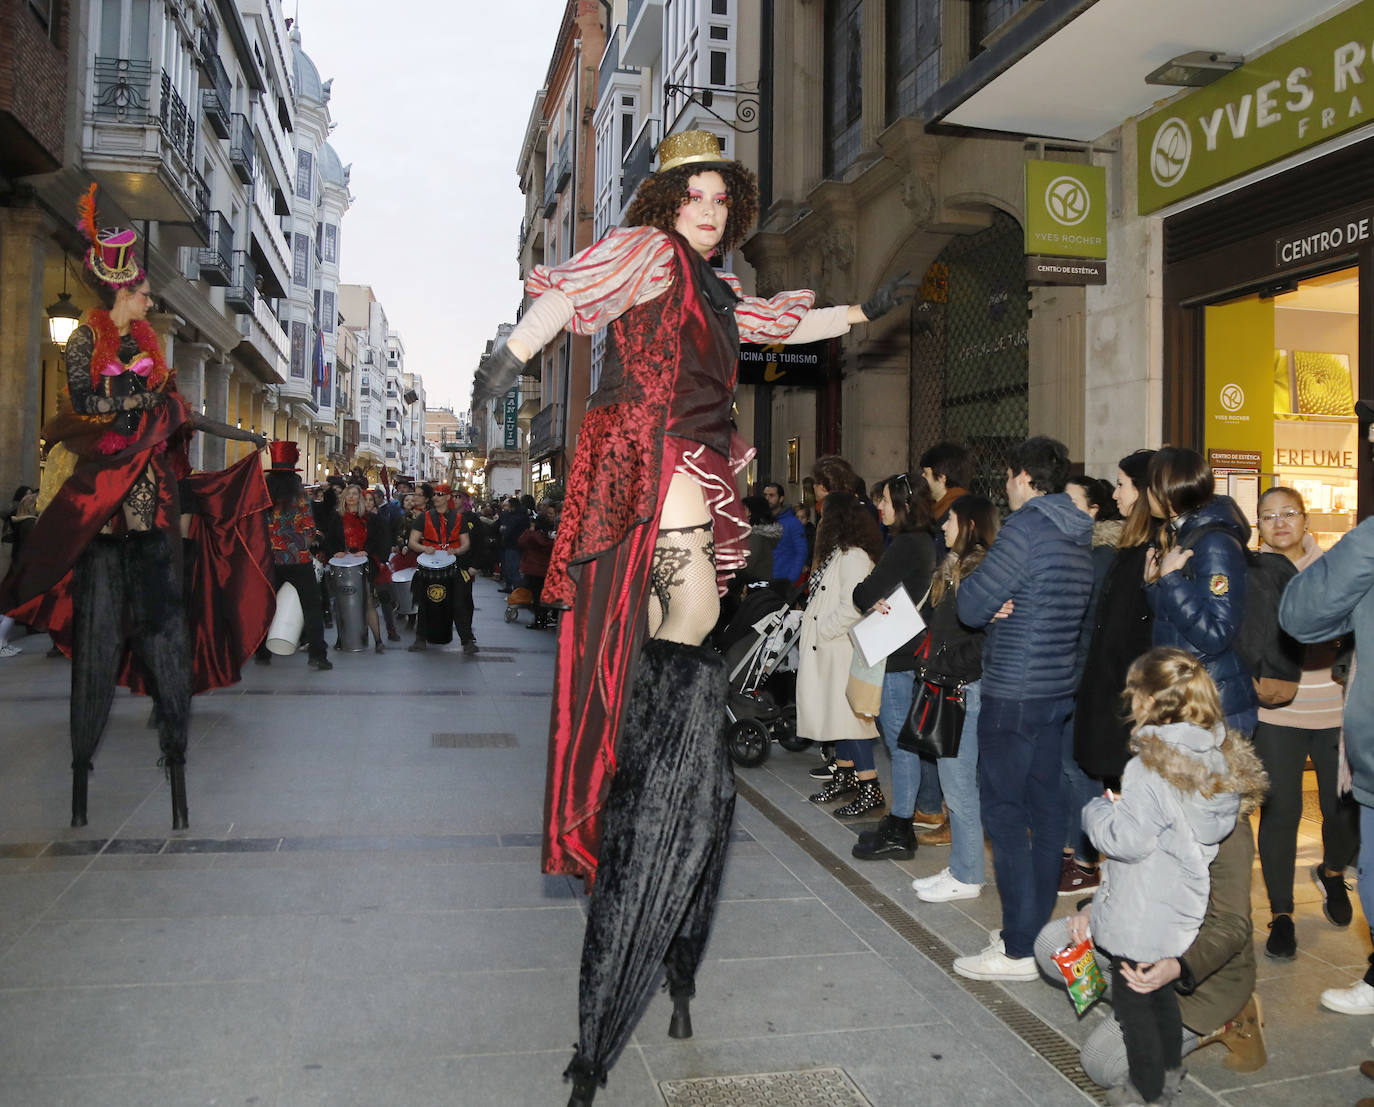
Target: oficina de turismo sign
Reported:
[(1315, 86)]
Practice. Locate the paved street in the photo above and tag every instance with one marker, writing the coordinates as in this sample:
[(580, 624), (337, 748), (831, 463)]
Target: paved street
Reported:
[(357, 917)]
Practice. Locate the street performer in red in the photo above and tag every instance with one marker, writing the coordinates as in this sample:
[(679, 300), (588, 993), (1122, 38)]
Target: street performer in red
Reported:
[(640, 789), (103, 568), (443, 593)]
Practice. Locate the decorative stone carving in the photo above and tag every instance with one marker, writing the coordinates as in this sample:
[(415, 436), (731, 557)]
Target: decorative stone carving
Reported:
[(919, 198)]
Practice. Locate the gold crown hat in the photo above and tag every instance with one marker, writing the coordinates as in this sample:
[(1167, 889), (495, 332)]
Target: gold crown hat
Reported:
[(690, 148)]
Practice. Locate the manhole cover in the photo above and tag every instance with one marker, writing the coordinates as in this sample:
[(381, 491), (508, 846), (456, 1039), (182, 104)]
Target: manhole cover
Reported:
[(813, 1088), (481, 740)]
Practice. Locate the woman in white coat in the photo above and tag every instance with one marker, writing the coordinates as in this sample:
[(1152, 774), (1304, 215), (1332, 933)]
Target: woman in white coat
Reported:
[(847, 547)]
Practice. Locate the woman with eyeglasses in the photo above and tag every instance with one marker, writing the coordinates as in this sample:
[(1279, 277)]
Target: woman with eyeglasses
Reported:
[(1285, 737)]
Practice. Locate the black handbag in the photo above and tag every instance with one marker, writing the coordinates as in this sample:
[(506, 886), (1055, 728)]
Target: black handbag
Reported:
[(935, 722)]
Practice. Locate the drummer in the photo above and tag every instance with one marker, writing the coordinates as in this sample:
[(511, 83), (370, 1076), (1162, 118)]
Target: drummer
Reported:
[(442, 527)]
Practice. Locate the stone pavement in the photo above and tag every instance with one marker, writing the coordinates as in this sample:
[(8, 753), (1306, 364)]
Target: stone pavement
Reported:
[(357, 916)]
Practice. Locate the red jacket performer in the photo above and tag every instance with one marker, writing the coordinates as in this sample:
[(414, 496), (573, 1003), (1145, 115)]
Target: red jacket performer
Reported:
[(640, 790)]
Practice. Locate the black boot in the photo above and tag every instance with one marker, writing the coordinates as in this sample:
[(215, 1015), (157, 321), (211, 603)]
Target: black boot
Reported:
[(845, 782), (176, 771), (79, 775), (680, 1025), (584, 1079), (894, 839), (869, 799)]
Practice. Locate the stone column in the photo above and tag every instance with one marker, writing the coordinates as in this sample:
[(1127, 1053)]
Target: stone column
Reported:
[(216, 399), (806, 132), (191, 358), (873, 69), (24, 239)]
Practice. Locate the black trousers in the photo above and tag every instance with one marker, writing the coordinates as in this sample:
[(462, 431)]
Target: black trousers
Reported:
[(126, 591), (460, 607), (1284, 751), (1152, 1029)]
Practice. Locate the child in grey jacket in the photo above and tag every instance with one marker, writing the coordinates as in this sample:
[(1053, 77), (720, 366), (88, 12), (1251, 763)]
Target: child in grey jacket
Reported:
[(1179, 798)]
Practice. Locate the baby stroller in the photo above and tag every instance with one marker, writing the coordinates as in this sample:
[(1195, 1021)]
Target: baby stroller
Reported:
[(759, 646)]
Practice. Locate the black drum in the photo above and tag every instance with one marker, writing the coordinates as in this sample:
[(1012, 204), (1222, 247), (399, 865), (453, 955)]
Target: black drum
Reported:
[(433, 589)]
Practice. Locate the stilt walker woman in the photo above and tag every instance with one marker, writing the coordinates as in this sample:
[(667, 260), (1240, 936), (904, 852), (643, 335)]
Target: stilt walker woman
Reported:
[(640, 791), (103, 568)]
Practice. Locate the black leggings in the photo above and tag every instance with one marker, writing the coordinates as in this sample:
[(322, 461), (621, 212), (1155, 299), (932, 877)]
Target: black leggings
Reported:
[(1284, 750), (1152, 1029)]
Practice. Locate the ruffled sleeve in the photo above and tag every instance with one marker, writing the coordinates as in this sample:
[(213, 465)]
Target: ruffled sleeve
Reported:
[(787, 317), (627, 267)]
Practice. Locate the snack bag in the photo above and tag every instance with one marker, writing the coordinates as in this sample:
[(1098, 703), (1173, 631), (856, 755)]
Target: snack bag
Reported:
[(1081, 973)]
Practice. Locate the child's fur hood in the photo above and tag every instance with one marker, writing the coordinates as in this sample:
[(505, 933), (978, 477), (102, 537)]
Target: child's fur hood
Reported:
[(1204, 763)]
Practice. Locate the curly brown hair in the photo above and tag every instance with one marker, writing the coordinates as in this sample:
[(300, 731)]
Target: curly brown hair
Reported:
[(847, 524), (660, 195)]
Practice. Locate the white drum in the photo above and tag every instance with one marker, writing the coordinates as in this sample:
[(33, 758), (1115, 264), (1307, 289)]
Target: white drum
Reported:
[(284, 636), (348, 560), (441, 559), (403, 576)]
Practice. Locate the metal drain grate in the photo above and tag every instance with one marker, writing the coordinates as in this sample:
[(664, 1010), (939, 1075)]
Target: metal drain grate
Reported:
[(480, 740), (811, 1088), (1056, 1049)]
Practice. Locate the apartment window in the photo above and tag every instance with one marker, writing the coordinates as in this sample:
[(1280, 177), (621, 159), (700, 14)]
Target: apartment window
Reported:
[(300, 273), (331, 242), (843, 85), (985, 16), (720, 34), (304, 163), (124, 29), (43, 12), (327, 311), (718, 61), (913, 54), (298, 349), (720, 7)]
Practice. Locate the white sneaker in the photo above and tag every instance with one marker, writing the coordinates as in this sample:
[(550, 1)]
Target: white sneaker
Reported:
[(943, 887), (1358, 999), (994, 964), (10, 651)]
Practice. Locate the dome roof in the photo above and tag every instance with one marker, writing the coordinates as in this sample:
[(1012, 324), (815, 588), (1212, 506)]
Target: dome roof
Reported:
[(331, 169), (307, 77)]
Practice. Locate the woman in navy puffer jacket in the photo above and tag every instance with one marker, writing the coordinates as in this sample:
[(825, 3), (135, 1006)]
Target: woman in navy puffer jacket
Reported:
[(1197, 583)]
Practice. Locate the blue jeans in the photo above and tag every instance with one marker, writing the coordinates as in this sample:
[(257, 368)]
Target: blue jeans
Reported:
[(859, 751), (906, 767), (959, 778), (510, 568), (1079, 788), (1020, 777)]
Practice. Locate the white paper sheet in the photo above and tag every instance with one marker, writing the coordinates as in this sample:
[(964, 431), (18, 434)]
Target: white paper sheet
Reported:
[(878, 633)]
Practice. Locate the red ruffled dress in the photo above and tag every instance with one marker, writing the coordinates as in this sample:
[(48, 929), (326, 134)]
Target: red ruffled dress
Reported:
[(662, 407)]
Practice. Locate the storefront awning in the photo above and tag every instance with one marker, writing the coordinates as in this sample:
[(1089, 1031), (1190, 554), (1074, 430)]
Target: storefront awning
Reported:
[(1075, 69)]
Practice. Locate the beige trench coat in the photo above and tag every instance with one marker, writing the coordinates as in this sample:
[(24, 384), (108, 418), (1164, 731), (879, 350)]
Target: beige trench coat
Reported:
[(823, 711)]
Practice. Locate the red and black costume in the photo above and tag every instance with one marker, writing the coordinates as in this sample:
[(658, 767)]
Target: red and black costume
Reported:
[(444, 531)]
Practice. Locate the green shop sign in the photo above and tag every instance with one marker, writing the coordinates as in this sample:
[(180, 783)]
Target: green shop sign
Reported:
[(1311, 88), (1066, 209)]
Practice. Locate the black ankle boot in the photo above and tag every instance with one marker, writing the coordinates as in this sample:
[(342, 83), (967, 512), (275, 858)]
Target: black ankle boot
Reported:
[(680, 1025), (869, 799), (894, 839), (79, 775), (845, 782), (177, 772), (585, 1079)]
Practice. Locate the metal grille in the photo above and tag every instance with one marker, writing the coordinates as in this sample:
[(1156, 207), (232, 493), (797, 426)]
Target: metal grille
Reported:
[(811, 1088), (480, 740), (1061, 1053), (984, 400)]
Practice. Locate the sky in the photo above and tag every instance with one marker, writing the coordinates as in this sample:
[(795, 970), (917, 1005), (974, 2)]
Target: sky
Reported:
[(430, 106)]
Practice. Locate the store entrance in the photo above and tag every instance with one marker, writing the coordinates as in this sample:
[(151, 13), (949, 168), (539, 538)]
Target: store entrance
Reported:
[(1282, 367)]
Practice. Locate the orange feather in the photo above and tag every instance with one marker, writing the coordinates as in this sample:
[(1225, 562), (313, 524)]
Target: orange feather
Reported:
[(86, 209)]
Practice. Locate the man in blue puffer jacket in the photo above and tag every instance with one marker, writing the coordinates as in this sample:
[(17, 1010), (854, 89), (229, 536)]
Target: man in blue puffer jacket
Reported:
[(1030, 592)]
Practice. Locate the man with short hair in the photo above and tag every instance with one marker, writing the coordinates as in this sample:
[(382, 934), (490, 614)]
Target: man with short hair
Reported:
[(948, 469), (443, 527), (1030, 592), (789, 555)]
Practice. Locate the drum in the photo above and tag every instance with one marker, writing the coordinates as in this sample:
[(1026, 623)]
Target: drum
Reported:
[(284, 636), (401, 592), (348, 585), (432, 589)]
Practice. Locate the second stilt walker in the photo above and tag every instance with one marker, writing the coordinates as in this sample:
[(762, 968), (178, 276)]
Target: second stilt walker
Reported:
[(640, 790)]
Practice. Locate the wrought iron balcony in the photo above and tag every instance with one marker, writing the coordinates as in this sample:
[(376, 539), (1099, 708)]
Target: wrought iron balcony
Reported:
[(242, 147), (200, 220), (546, 431), (216, 259), (215, 99), (176, 121), (123, 90), (209, 41), (639, 160), (560, 171), (243, 290)]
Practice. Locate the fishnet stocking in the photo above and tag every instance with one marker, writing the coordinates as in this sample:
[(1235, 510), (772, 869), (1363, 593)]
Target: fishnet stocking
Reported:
[(683, 601)]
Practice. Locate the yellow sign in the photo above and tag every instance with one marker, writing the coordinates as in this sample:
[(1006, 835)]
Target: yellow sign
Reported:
[(1240, 376)]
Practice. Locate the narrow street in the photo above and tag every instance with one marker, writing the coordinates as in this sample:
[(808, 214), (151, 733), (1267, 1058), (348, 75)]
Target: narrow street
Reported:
[(356, 917)]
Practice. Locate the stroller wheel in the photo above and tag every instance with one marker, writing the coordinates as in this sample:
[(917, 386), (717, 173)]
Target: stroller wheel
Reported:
[(512, 613), (747, 741), (785, 731)]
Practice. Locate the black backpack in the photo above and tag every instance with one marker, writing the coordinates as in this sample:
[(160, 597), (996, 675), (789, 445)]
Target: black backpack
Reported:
[(1267, 650)]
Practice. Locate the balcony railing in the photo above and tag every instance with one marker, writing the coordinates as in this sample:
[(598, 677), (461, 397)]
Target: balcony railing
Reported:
[(176, 121), (200, 223), (610, 65), (243, 290), (123, 90), (639, 160), (546, 431), (242, 147), (209, 41), (216, 260), (560, 171), (215, 100)]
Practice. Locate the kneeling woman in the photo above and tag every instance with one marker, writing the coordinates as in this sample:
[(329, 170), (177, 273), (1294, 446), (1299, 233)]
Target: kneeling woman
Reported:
[(640, 791)]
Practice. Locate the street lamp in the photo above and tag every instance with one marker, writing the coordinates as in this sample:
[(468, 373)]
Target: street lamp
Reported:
[(64, 315)]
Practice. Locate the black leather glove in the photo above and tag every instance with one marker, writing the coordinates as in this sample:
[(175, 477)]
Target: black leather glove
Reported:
[(497, 372), (894, 293)]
